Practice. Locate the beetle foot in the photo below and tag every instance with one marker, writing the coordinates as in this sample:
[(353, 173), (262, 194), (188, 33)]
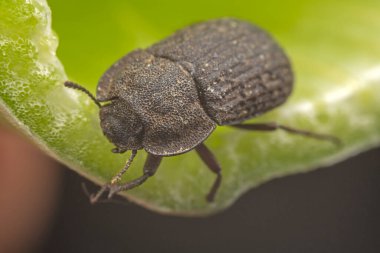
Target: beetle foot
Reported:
[(113, 189), (94, 198)]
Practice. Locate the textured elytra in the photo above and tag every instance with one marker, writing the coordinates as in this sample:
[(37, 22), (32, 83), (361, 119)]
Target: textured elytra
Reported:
[(239, 69), (174, 93)]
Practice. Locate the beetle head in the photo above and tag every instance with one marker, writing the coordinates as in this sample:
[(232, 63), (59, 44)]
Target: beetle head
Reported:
[(118, 121), (121, 125)]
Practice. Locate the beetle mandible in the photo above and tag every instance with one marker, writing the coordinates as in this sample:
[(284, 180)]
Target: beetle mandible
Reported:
[(167, 99)]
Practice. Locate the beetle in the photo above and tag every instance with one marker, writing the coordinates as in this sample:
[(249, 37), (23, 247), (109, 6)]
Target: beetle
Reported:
[(167, 99)]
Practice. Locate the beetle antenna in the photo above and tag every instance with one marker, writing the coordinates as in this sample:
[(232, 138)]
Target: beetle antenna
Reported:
[(72, 85)]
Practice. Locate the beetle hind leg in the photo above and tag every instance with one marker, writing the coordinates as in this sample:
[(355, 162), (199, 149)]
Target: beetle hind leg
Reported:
[(209, 159), (273, 126)]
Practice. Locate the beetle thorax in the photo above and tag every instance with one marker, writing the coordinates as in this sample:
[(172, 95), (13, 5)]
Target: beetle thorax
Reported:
[(154, 105)]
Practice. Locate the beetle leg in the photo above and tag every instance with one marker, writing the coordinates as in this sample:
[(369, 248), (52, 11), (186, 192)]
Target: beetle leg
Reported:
[(209, 159), (114, 180), (150, 167), (117, 178), (272, 126)]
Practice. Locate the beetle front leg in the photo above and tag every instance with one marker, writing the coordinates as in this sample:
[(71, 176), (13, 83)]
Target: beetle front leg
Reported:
[(272, 126), (114, 180), (150, 167), (117, 178), (209, 159)]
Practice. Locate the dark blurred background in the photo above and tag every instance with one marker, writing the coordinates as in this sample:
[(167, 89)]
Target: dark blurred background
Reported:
[(334, 209), (44, 209)]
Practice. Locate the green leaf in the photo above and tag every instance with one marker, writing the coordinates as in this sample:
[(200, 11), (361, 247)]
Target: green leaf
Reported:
[(334, 47)]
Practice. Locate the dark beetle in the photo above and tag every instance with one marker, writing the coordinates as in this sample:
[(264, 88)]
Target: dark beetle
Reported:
[(167, 99)]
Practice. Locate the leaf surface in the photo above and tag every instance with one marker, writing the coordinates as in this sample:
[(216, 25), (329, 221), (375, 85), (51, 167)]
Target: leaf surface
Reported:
[(334, 47)]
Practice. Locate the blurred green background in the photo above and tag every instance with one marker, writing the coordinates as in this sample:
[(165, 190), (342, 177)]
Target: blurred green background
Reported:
[(93, 34)]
